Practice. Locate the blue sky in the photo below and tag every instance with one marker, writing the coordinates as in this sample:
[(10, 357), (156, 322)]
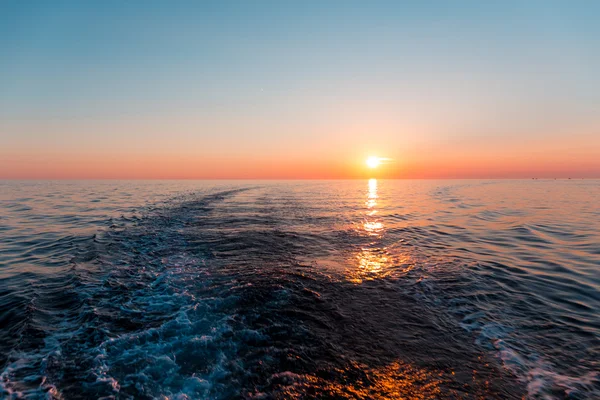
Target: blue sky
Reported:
[(291, 72)]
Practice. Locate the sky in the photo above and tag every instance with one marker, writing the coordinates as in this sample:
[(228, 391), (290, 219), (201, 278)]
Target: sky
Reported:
[(299, 89)]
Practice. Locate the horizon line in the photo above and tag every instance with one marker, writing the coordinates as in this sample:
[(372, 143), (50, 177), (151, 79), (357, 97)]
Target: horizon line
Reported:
[(300, 179)]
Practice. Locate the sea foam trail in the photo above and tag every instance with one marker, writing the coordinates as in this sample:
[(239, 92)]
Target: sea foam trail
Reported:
[(121, 286), (292, 290), (197, 301)]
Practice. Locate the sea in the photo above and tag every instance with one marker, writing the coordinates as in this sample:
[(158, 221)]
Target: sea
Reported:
[(349, 289)]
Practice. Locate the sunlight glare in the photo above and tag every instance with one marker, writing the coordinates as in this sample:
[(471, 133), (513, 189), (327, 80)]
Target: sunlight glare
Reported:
[(373, 162)]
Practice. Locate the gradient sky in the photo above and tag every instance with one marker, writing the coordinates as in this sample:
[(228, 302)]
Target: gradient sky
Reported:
[(304, 89)]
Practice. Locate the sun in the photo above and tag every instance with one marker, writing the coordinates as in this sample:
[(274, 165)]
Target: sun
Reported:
[(373, 162)]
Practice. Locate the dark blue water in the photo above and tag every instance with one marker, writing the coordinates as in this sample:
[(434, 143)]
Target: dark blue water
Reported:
[(332, 289)]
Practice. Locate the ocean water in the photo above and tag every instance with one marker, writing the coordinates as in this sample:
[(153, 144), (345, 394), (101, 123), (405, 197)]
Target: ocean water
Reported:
[(307, 289)]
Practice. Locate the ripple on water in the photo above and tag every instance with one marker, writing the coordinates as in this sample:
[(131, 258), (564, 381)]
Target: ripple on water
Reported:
[(374, 289)]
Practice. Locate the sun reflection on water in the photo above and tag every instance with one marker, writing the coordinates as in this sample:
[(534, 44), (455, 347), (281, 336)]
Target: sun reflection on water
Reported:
[(394, 381), (376, 259), (379, 262), (372, 194), (371, 225), (371, 264)]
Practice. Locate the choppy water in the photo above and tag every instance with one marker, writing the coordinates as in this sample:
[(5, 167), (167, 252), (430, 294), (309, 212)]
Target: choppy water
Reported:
[(340, 289)]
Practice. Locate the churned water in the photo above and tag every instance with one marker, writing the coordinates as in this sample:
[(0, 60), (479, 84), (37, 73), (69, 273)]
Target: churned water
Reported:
[(326, 289)]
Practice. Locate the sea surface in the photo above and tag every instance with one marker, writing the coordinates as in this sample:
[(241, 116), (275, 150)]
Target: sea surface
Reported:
[(300, 289)]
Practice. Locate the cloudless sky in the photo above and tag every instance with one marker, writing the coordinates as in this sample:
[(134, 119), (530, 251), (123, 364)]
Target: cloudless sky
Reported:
[(303, 89)]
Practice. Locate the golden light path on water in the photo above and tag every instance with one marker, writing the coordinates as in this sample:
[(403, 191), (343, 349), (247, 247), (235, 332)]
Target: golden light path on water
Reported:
[(398, 379), (375, 260), (379, 261), (372, 224), (394, 381)]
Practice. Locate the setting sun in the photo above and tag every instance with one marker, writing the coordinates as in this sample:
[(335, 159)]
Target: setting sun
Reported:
[(373, 162), (300, 199)]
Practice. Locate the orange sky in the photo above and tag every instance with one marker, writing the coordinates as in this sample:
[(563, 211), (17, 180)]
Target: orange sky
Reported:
[(186, 149), (299, 91), (576, 162), (254, 149)]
